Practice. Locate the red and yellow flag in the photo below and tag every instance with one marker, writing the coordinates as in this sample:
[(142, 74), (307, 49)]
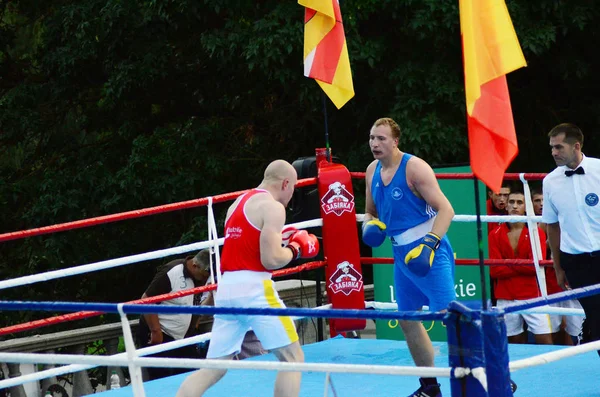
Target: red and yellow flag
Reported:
[(325, 51), (490, 50)]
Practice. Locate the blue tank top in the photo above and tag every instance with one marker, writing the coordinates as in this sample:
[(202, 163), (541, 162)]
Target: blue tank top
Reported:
[(397, 206)]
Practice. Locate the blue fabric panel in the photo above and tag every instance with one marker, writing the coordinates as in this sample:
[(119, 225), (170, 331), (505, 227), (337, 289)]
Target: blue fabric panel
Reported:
[(465, 349), (496, 354)]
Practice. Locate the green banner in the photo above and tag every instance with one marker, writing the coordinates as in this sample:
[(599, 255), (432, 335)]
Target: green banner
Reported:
[(463, 237)]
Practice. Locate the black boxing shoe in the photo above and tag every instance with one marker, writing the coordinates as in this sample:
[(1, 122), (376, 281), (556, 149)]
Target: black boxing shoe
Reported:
[(427, 390)]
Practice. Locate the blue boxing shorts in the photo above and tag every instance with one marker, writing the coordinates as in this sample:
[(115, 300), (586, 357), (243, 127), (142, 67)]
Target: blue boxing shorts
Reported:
[(435, 290)]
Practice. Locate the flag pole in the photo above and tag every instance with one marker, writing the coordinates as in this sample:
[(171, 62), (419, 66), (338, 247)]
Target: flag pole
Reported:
[(327, 148), (326, 56), (484, 300), (491, 50)]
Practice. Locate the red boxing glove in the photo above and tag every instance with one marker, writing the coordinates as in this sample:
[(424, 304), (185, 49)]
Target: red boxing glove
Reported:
[(303, 245), (286, 233)]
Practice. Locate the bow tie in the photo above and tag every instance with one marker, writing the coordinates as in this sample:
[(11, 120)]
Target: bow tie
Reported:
[(578, 170)]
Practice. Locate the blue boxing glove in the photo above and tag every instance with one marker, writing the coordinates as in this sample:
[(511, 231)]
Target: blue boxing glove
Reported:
[(374, 232), (420, 258)]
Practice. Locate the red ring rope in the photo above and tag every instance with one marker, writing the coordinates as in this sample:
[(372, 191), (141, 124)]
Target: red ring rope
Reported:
[(198, 203), (278, 273), (132, 214), (154, 299), (464, 262), (509, 176)]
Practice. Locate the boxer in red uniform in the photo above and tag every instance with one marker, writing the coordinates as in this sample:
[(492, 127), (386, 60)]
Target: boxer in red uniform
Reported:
[(252, 250)]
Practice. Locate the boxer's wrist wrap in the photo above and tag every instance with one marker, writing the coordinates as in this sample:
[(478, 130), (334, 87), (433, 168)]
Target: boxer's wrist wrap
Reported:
[(295, 251)]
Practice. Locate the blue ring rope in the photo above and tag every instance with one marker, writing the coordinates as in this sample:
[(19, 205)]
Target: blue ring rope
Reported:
[(211, 310), (322, 313), (559, 297), (302, 312)]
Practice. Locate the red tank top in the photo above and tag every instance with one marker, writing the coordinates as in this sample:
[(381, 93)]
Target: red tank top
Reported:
[(241, 249)]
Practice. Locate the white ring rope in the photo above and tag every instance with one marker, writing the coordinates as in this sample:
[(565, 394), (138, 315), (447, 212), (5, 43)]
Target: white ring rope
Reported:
[(484, 218), (534, 240), (102, 265), (479, 374), (213, 236), (546, 358), (35, 376), (496, 218), (135, 372), (563, 311), (33, 358), (126, 260), (141, 352)]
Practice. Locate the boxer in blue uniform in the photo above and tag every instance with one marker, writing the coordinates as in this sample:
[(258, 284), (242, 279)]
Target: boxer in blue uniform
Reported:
[(405, 203)]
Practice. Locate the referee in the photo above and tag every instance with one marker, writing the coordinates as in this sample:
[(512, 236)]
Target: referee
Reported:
[(572, 214)]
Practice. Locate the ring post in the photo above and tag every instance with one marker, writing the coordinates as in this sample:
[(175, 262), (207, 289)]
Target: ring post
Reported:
[(343, 273), (495, 346), (465, 351)]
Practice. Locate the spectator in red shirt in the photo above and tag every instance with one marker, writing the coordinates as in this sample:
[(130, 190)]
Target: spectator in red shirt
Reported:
[(537, 197), (496, 204), (518, 282)]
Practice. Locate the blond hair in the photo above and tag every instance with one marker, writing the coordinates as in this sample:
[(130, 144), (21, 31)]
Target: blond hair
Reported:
[(396, 132)]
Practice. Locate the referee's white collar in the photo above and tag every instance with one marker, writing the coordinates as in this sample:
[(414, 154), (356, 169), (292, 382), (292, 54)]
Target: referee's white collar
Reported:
[(583, 157)]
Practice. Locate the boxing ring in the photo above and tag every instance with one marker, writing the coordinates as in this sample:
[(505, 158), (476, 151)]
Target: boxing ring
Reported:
[(474, 361), (532, 382)]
